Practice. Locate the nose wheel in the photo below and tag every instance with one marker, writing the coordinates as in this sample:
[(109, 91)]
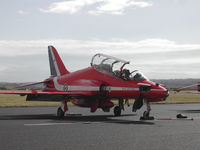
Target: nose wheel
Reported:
[(147, 112)]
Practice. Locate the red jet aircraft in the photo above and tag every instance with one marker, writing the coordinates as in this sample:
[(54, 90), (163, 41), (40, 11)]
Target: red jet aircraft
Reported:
[(94, 87)]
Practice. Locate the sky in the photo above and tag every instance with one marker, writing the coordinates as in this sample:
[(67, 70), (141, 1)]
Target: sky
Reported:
[(160, 38)]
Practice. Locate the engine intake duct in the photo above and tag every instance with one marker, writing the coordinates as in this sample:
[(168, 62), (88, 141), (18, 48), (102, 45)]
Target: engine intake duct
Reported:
[(145, 88)]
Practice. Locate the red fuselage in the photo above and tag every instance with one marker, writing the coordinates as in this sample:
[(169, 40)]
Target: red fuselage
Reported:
[(89, 81)]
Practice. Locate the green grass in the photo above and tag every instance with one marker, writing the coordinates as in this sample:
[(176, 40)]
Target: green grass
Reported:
[(16, 100), (7, 100), (183, 99)]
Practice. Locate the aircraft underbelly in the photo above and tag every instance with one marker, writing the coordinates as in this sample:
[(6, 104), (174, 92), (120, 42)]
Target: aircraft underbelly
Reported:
[(93, 104), (43, 97)]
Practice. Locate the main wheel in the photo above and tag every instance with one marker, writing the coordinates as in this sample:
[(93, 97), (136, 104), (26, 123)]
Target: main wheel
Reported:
[(60, 112), (117, 111)]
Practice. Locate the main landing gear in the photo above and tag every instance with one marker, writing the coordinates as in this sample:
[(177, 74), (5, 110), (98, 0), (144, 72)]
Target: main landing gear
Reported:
[(118, 109), (61, 110), (147, 112)]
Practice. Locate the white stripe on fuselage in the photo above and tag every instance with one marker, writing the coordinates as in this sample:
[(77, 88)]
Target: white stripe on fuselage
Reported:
[(111, 88), (83, 88), (60, 87), (158, 90)]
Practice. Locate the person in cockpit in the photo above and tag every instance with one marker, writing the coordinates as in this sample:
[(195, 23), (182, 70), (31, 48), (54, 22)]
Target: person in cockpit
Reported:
[(125, 74)]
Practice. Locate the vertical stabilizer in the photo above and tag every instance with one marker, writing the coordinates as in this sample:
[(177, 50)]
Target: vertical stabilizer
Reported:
[(57, 67)]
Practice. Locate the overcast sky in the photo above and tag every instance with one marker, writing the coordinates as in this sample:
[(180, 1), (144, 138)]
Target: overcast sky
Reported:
[(161, 38)]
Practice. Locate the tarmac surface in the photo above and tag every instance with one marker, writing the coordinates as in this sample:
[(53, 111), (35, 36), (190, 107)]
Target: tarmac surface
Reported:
[(37, 128)]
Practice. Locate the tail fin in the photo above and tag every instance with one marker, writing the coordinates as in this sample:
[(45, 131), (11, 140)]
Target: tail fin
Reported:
[(57, 67)]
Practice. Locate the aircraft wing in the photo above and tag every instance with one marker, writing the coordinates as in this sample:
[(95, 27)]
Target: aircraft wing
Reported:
[(36, 93), (51, 96), (195, 92), (191, 92), (188, 87), (185, 87), (34, 83)]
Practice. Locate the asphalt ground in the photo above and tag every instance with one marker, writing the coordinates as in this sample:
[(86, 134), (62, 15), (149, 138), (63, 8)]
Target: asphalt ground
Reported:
[(37, 128)]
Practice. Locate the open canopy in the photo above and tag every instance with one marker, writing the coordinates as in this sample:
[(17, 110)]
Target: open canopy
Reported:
[(115, 67), (107, 64)]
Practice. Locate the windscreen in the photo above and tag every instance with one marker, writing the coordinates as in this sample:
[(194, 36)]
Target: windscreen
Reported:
[(137, 76)]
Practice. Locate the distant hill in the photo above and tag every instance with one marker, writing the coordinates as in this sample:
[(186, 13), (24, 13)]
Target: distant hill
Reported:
[(169, 83)]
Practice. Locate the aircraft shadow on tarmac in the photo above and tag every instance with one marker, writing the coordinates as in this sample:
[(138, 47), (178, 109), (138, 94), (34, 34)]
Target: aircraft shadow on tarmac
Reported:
[(191, 111), (78, 119)]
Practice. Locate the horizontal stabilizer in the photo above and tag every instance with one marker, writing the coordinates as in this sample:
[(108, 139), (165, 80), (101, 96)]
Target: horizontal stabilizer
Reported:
[(30, 84)]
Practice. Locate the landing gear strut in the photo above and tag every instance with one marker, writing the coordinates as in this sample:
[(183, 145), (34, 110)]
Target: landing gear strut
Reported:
[(61, 110), (147, 112)]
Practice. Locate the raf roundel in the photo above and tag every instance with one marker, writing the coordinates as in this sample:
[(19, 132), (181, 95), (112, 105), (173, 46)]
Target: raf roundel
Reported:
[(65, 87)]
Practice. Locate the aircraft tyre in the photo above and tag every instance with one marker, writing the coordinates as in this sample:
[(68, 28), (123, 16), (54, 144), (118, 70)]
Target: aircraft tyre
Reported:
[(117, 111), (60, 113), (146, 116)]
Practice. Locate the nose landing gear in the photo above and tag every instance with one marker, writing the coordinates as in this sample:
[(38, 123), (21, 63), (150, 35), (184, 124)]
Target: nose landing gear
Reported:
[(147, 112)]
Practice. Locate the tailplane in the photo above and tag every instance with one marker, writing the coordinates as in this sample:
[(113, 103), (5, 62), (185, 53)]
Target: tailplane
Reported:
[(57, 67)]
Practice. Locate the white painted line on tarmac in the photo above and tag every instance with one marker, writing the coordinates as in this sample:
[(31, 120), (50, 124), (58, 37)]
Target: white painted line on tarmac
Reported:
[(49, 124), (62, 123)]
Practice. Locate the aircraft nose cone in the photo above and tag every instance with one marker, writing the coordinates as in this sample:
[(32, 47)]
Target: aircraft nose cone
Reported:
[(166, 94)]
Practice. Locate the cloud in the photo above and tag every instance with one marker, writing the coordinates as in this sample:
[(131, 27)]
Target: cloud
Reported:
[(115, 7), (69, 7), (22, 12), (157, 58), (88, 47)]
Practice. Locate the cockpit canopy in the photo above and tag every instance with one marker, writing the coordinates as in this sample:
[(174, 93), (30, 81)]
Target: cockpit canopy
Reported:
[(115, 67)]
